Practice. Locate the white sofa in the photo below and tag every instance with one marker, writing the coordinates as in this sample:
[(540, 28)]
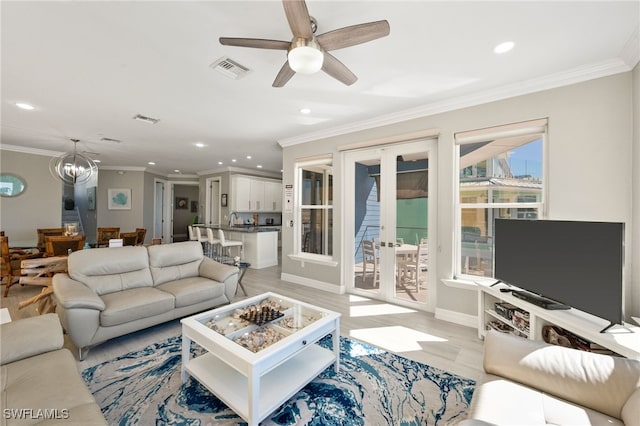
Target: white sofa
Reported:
[(41, 383), (530, 382), (110, 292)]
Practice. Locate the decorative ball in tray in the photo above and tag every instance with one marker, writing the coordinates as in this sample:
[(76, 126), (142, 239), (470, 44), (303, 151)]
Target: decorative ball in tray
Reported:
[(260, 314)]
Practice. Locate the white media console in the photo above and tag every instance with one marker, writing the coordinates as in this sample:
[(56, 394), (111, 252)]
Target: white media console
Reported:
[(624, 340)]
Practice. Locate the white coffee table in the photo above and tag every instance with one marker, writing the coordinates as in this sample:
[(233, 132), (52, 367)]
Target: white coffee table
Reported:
[(255, 382)]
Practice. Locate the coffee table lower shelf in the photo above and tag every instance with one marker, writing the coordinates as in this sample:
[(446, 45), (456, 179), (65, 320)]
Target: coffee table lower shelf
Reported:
[(275, 387)]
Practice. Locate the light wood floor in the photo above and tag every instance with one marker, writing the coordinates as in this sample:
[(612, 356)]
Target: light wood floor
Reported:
[(412, 334)]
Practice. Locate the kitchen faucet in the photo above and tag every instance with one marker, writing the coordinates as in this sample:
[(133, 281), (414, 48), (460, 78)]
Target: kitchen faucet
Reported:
[(232, 216)]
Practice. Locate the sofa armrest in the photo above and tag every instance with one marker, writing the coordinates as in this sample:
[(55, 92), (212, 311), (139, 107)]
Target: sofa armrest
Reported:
[(28, 337), (74, 294), (631, 410), (216, 271)]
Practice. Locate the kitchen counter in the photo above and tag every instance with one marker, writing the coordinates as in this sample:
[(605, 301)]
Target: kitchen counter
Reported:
[(259, 243)]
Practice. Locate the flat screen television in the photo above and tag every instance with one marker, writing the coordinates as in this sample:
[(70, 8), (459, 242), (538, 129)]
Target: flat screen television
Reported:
[(578, 264)]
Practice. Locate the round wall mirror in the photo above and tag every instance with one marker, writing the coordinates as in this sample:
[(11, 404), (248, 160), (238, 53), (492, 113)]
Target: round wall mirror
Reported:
[(11, 185)]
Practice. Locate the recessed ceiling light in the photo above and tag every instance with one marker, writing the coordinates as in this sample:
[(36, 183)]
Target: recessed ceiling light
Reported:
[(504, 47), (259, 166), (248, 157), (305, 111), (151, 163), (200, 145), (176, 171), (233, 160), (97, 161), (23, 105), (220, 163)]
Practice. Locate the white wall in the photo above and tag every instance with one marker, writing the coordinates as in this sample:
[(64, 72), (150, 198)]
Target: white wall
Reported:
[(40, 206), (590, 168), (635, 227)]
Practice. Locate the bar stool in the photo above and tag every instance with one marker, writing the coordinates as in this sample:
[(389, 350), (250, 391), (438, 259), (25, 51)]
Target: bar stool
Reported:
[(202, 239), (213, 244), (192, 234), (224, 243)]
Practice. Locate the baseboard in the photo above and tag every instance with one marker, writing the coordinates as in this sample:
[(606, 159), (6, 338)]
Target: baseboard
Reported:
[(307, 282), (457, 317)]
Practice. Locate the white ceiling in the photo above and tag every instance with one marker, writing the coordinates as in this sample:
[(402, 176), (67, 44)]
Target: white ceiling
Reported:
[(89, 67)]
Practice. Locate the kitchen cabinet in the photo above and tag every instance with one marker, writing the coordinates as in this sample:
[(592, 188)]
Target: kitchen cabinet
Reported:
[(251, 194)]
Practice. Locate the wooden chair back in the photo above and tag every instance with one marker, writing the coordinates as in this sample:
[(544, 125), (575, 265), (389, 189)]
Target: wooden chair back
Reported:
[(5, 260), (129, 238), (60, 245), (142, 233), (48, 232), (107, 233)]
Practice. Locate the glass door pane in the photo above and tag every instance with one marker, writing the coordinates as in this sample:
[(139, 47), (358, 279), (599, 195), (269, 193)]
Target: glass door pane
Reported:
[(411, 200), (366, 196)]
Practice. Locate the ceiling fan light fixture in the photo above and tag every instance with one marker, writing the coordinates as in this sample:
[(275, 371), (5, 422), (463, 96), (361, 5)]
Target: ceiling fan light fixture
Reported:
[(305, 57)]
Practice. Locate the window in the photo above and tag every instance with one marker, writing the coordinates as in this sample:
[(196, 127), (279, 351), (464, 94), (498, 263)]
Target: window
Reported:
[(314, 232), (500, 176)]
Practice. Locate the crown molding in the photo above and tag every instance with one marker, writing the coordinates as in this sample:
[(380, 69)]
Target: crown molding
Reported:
[(27, 150), (631, 51), (565, 78), (231, 169), (123, 168)]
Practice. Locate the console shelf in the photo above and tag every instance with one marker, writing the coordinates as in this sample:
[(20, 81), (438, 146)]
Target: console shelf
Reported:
[(624, 340)]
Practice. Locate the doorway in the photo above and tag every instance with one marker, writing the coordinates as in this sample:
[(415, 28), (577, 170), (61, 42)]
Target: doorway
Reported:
[(390, 223), (212, 201)]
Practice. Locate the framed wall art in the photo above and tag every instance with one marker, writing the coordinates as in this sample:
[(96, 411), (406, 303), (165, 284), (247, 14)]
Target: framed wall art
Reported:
[(119, 198), (182, 203)]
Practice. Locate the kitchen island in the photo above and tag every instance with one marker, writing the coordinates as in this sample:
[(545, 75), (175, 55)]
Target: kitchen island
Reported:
[(260, 243)]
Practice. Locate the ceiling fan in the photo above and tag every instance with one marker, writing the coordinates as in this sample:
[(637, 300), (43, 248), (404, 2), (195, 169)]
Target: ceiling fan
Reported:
[(308, 53)]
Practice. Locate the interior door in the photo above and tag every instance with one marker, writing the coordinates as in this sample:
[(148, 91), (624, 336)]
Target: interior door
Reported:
[(388, 222), (159, 209)]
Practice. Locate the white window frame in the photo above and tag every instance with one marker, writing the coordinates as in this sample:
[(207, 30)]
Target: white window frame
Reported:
[(325, 163), (532, 127)]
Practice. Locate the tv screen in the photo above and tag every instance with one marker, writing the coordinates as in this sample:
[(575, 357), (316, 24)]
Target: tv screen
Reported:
[(575, 263)]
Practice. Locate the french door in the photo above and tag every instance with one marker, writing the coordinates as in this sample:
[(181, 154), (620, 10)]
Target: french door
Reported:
[(390, 223)]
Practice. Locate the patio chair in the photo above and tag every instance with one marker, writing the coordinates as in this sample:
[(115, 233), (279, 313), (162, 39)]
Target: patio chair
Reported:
[(369, 256)]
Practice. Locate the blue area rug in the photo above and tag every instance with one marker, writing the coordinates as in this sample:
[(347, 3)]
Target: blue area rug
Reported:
[(373, 387)]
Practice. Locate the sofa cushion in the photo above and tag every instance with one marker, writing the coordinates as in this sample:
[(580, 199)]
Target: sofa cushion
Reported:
[(503, 402), (133, 304), (48, 381), (601, 382), (189, 291), (170, 262), (108, 270)]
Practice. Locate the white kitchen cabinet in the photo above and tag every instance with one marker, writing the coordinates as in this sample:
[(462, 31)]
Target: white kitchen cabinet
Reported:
[(251, 194)]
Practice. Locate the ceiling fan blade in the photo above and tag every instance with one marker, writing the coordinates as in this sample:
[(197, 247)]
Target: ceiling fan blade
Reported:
[(298, 17), (352, 35), (284, 75), (258, 43), (338, 70)]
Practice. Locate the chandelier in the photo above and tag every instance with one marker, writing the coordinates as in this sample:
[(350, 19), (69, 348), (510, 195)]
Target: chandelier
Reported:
[(72, 167)]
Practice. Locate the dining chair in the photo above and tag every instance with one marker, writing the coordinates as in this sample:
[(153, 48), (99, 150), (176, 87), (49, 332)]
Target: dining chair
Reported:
[(48, 232), (412, 271), (369, 256), (129, 238), (142, 234), (60, 245), (105, 234)]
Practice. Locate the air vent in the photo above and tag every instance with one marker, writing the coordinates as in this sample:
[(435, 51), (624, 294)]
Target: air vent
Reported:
[(230, 68), (146, 119), (111, 139)]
